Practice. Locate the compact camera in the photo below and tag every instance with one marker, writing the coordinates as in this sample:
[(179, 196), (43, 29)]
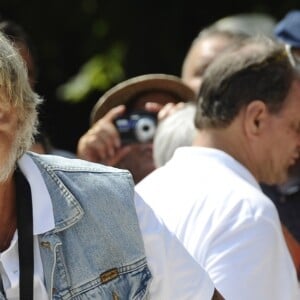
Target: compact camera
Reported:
[(137, 127)]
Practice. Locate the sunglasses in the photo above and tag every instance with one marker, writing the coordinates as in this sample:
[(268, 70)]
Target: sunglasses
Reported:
[(293, 55)]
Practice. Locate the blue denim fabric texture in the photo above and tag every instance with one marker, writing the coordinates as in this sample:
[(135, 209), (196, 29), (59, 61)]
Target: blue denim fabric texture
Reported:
[(96, 250)]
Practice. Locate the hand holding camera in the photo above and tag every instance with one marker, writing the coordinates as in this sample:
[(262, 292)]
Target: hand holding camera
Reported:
[(101, 143), (136, 127), (106, 142)]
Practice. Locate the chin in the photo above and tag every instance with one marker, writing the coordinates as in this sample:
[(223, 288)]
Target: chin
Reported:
[(282, 179), (140, 174), (275, 180), (6, 171)]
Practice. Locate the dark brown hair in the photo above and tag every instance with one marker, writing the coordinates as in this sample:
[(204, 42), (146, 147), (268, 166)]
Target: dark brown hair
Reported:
[(255, 69)]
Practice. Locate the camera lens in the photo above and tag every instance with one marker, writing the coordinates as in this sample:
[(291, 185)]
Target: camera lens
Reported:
[(145, 129)]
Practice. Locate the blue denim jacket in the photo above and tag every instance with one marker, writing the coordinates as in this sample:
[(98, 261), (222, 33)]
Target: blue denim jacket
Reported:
[(96, 250)]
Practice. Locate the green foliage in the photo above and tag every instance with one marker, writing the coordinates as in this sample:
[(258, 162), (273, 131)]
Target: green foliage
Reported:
[(99, 73)]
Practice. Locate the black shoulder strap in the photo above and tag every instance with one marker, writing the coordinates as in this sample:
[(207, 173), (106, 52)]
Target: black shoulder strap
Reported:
[(25, 235), (1, 287)]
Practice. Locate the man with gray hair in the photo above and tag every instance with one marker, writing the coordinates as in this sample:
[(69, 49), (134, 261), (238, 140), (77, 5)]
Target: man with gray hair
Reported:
[(248, 131), (71, 229)]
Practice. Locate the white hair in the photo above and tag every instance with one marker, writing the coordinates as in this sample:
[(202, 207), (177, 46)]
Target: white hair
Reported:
[(175, 131), (18, 94)]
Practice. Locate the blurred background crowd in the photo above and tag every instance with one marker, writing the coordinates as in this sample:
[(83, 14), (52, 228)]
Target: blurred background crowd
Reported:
[(84, 47)]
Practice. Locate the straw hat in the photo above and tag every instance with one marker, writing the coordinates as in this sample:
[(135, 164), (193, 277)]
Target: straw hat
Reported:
[(125, 91)]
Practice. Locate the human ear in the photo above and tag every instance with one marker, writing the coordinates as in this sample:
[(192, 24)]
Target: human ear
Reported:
[(256, 113)]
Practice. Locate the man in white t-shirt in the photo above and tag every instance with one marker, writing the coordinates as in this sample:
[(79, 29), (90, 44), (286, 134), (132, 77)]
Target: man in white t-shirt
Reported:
[(248, 131)]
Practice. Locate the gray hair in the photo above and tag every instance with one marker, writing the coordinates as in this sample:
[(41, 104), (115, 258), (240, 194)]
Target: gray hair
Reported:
[(249, 23), (175, 131), (17, 93)]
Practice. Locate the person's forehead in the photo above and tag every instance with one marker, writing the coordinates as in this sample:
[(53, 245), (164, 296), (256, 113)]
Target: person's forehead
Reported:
[(204, 51), (210, 46), (160, 97)]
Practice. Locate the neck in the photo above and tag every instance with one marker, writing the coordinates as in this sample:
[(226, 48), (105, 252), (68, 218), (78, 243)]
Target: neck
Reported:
[(7, 212), (230, 140)]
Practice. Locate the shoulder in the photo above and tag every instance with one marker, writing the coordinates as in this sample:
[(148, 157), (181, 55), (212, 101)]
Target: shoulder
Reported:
[(55, 162), (81, 175)]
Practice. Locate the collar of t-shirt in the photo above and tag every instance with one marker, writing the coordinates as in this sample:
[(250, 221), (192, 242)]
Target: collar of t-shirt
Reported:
[(193, 153), (43, 221)]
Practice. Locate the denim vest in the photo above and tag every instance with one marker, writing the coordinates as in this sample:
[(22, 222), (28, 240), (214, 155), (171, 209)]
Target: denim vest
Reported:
[(96, 250)]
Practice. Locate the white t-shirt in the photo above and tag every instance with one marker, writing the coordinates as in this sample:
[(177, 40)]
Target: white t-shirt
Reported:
[(171, 266), (216, 208)]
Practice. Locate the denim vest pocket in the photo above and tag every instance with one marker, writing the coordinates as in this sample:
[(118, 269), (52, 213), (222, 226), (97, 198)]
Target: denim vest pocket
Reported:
[(121, 283)]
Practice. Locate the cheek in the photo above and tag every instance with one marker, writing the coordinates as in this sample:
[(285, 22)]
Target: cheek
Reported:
[(143, 152), (8, 122), (5, 146), (289, 139), (138, 153)]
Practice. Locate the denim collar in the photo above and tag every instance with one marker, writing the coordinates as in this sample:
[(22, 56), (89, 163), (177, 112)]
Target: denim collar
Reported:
[(68, 210)]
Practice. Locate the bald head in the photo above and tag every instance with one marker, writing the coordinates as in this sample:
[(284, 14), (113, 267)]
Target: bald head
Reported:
[(204, 49)]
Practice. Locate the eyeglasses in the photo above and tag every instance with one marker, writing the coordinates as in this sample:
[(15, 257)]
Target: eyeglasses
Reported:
[(293, 55)]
